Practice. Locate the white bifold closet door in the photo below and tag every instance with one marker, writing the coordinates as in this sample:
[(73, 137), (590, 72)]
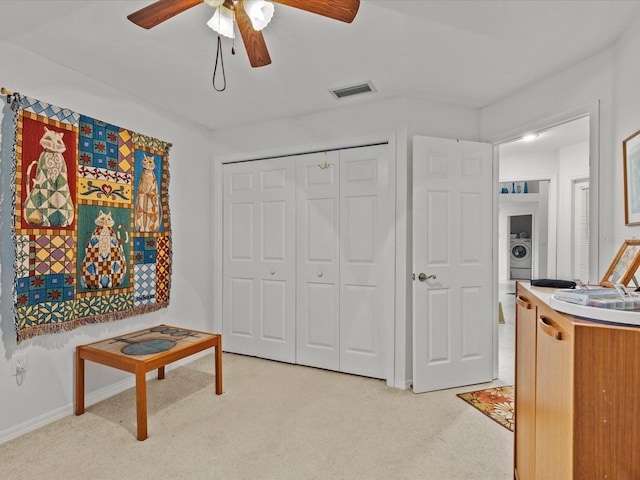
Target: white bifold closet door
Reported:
[(341, 255), (318, 260), (345, 260), (259, 259), (367, 260)]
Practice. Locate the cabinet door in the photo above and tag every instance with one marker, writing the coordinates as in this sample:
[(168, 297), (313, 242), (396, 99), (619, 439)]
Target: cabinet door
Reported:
[(525, 391), (554, 396)]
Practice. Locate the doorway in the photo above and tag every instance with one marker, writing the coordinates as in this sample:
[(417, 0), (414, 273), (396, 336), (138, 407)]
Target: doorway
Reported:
[(556, 165)]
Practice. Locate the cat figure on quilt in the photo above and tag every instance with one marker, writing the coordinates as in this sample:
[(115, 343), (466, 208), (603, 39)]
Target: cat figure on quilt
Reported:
[(104, 264), (48, 200), (148, 208)]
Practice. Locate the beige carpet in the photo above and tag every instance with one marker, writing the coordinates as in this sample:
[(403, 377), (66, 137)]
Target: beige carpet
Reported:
[(274, 421)]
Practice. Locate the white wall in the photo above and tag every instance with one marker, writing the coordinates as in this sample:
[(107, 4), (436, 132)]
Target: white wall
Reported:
[(587, 86), (626, 121), (47, 390)]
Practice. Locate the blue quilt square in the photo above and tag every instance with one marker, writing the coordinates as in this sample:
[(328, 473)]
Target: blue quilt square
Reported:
[(99, 161), (55, 281), (150, 256), (85, 144), (112, 150), (37, 296), (22, 285), (99, 133)]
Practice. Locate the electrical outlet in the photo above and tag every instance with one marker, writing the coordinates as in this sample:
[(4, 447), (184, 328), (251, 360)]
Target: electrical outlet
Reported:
[(19, 364)]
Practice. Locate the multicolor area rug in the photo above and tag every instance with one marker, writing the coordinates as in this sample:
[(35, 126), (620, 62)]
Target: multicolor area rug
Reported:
[(497, 403), (90, 220)]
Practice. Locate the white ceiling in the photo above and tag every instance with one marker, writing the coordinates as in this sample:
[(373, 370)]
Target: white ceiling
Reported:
[(468, 53)]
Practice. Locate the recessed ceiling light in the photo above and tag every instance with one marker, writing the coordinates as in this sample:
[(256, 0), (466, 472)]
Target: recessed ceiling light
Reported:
[(531, 136)]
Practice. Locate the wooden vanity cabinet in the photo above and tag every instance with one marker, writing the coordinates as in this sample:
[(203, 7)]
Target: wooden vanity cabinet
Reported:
[(577, 394)]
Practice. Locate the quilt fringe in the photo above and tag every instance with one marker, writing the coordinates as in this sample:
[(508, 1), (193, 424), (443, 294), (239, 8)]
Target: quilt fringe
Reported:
[(39, 330), (14, 100)]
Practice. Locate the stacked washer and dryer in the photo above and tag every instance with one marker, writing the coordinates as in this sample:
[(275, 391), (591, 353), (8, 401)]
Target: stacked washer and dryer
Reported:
[(520, 257)]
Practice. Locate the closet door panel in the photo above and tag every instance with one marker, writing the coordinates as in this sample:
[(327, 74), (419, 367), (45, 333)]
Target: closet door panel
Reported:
[(367, 259), (274, 228), (361, 335), (259, 258), (318, 300), (241, 311), (274, 311)]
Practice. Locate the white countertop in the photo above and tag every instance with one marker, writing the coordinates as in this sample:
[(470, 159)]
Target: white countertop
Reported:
[(594, 314)]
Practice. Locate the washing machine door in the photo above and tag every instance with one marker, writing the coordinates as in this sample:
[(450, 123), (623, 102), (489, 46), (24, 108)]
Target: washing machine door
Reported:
[(520, 252)]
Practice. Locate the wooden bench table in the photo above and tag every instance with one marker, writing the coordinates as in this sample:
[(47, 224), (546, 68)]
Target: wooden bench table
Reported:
[(141, 352)]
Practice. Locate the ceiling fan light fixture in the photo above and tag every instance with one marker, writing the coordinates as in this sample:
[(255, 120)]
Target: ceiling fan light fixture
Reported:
[(222, 22), (260, 13)]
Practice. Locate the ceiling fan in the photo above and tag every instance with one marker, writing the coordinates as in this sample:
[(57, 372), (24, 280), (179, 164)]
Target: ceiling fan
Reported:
[(161, 10)]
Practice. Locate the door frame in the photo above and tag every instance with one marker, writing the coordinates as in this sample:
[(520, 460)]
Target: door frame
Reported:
[(398, 345), (592, 110)]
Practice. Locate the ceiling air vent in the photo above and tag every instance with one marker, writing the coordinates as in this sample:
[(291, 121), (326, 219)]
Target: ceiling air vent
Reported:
[(339, 93)]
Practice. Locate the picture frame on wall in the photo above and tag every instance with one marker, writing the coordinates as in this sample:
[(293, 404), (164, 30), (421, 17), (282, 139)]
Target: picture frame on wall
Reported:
[(624, 265), (631, 169)]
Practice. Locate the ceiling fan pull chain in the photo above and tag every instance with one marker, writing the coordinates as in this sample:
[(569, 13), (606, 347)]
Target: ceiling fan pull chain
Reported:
[(215, 69)]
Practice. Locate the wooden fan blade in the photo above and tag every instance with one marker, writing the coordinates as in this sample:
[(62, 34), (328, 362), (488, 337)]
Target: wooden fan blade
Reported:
[(253, 40), (343, 10), (159, 11)]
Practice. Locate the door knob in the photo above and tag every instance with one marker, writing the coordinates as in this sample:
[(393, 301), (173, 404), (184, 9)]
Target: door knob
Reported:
[(423, 277)]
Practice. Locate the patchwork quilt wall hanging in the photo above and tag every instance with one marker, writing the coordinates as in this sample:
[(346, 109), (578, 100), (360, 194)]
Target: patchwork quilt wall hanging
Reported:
[(91, 222)]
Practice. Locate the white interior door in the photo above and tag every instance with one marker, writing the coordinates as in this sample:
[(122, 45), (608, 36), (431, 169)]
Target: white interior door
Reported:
[(259, 259), (367, 267), (318, 260), (453, 312)]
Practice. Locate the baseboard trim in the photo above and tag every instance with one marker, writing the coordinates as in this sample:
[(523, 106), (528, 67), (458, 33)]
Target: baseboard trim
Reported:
[(90, 399)]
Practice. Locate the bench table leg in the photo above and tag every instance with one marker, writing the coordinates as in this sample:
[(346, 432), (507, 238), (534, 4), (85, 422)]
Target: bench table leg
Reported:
[(141, 402), (79, 384)]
